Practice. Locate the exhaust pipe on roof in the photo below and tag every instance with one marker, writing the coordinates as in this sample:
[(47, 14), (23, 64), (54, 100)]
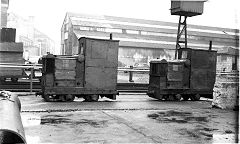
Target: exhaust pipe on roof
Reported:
[(110, 36), (11, 128), (210, 45)]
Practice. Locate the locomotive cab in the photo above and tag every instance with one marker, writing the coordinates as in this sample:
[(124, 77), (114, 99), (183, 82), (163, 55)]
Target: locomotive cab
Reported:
[(192, 75)]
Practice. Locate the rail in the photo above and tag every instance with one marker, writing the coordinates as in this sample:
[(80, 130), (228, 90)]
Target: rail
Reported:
[(131, 70), (24, 66)]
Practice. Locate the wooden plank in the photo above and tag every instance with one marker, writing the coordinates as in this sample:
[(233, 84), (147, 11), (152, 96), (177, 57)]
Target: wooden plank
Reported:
[(65, 74), (101, 53), (49, 80), (10, 46), (11, 60), (10, 68), (10, 72), (65, 83), (101, 78), (101, 58), (65, 64), (11, 57)]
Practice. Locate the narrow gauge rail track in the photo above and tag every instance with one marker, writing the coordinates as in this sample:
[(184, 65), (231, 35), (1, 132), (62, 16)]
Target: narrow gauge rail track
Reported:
[(24, 86)]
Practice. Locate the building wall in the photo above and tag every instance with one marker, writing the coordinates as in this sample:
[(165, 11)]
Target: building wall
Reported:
[(227, 63), (142, 40), (133, 56), (34, 41)]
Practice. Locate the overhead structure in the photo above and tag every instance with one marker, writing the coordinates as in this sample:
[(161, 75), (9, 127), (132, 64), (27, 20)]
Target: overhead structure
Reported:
[(185, 8)]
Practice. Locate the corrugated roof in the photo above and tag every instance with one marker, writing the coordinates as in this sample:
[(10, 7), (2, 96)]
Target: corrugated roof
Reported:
[(196, 39)]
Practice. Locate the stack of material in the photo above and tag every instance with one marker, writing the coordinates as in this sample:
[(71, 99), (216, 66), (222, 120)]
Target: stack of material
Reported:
[(226, 93), (10, 52)]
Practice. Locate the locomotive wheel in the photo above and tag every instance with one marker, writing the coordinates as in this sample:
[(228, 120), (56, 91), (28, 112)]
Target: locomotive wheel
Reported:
[(195, 97), (185, 97), (178, 97), (67, 98), (70, 97), (47, 98), (95, 97), (50, 98), (170, 98), (91, 98)]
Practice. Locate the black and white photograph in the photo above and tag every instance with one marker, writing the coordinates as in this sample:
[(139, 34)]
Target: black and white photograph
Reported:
[(119, 71)]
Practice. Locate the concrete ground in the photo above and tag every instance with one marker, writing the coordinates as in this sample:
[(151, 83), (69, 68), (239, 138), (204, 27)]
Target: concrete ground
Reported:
[(132, 118)]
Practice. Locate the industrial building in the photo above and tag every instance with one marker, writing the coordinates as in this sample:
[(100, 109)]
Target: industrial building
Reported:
[(141, 40), (35, 42)]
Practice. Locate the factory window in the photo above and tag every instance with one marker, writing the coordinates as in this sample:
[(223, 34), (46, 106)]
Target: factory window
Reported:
[(66, 35), (124, 31), (66, 27), (184, 54), (132, 31), (85, 28), (100, 29), (113, 30)]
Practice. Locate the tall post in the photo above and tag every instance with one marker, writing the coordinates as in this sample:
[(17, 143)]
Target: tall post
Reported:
[(131, 74), (31, 79), (177, 44), (185, 25)]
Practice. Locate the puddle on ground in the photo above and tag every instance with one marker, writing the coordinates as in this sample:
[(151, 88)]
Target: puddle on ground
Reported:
[(58, 119), (200, 130), (30, 120), (202, 133), (177, 116)]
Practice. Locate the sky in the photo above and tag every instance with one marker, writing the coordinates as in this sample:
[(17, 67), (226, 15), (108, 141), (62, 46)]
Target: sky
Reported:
[(49, 14)]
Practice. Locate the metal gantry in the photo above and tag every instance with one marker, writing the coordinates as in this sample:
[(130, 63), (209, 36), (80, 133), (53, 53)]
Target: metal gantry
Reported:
[(182, 28)]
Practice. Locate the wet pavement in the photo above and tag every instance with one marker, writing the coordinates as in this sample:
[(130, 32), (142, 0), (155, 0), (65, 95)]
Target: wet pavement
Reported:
[(132, 118)]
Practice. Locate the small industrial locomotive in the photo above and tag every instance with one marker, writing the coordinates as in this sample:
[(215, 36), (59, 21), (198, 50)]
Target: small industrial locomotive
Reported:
[(192, 75), (89, 74)]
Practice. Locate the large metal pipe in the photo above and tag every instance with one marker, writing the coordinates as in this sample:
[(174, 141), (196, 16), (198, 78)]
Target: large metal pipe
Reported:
[(11, 128)]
